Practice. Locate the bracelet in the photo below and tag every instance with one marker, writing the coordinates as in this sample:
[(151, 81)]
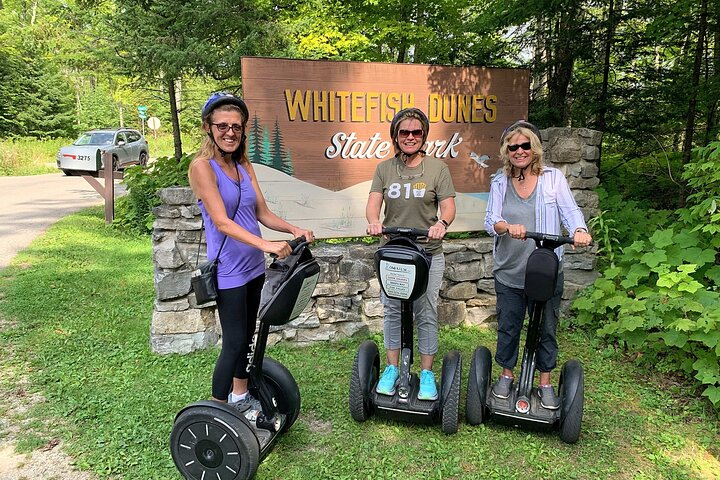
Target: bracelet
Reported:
[(445, 224), (581, 229)]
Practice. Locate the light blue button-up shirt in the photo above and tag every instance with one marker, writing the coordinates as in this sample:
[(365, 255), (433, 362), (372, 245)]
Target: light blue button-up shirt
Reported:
[(554, 204)]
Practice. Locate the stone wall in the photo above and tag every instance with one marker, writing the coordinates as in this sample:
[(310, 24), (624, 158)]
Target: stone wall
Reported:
[(346, 300)]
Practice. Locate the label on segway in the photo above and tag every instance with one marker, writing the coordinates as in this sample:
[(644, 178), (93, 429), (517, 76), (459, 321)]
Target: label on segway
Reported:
[(398, 279), (306, 290)]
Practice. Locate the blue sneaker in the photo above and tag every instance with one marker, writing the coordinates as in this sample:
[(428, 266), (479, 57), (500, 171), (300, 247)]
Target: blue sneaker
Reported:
[(386, 385), (428, 389)]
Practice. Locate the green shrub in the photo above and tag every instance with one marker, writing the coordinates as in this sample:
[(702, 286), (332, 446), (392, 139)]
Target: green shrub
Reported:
[(660, 296), (133, 212)]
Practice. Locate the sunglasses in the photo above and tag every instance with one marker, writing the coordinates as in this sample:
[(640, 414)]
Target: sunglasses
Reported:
[(224, 127), (406, 133), (524, 146)]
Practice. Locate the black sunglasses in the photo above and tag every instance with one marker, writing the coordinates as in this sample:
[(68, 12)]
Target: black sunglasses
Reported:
[(524, 146), (406, 133)]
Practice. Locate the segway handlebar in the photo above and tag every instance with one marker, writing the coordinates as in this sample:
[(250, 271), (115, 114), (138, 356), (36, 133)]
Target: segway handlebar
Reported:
[(295, 244), (548, 240), (406, 231)]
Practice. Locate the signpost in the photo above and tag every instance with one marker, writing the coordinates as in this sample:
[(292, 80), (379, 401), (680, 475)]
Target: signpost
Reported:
[(142, 113), (154, 124)]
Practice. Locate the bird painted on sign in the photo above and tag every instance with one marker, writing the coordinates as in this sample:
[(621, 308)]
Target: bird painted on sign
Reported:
[(480, 159)]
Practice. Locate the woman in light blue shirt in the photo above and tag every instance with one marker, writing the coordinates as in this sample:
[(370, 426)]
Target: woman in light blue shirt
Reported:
[(526, 195)]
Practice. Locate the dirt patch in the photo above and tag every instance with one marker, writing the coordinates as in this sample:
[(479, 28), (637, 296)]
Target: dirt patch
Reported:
[(47, 462)]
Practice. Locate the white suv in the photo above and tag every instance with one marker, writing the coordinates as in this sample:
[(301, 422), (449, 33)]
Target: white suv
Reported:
[(128, 147)]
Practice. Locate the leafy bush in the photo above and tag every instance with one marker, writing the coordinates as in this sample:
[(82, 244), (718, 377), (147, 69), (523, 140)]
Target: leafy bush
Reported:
[(133, 212), (661, 296)]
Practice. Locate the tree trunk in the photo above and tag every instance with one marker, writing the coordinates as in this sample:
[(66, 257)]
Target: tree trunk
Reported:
[(561, 74), (714, 74), (175, 120), (692, 106), (602, 112)]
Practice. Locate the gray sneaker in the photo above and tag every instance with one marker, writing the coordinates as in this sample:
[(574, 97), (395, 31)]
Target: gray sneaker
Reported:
[(502, 387), (548, 399), (249, 402)]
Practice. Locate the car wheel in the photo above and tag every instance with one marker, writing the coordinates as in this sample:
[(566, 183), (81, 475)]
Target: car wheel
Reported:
[(143, 159)]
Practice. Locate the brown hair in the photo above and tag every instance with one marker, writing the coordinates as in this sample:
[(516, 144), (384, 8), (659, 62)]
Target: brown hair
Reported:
[(207, 148)]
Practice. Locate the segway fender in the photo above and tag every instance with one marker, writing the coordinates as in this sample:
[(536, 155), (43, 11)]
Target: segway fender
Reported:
[(450, 368), (483, 362), (367, 355), (572, 374), (213, 404)]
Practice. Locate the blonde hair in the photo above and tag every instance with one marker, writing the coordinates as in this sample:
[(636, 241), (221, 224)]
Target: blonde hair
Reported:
[(537, 164), (207, 147)]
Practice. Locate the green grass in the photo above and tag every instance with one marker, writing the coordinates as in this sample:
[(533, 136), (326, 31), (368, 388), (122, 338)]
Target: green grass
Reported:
[(75, 312), (30, 156)]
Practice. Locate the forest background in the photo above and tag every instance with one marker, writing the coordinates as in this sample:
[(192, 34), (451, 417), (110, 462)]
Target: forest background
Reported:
[(645, 73)]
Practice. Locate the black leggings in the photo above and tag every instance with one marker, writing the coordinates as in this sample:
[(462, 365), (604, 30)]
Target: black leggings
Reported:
[(237, 309)]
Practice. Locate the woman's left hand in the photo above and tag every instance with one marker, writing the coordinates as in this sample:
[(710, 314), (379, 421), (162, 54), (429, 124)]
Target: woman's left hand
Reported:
[(308, 234), (437, 231)]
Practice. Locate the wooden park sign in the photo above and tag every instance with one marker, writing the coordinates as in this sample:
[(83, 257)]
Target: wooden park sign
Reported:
[(318, 129)]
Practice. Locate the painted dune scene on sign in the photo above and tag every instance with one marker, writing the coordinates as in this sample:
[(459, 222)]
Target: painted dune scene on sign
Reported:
[(331, 214)]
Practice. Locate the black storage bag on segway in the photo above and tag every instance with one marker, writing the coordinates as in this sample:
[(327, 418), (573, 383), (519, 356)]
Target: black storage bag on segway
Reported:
[(289, 284), (541, 275)]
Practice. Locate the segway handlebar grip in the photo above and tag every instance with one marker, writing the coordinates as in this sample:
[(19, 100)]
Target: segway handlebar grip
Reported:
[(406, 231), (294, 244), (556, 239)]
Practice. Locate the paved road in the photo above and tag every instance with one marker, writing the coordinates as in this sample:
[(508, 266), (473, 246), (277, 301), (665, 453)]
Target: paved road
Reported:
[(29, 205)]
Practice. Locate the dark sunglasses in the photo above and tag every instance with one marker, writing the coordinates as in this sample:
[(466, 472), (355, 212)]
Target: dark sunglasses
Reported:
[(524, 146), (223, 127), (406, 133)]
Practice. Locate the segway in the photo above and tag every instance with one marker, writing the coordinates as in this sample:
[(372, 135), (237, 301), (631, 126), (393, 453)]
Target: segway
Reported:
[(522, 407), (402, 267), (214, 440)]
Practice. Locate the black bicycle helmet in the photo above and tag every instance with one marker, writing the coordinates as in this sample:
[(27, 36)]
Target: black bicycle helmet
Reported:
[(520, 124), (223, 98)]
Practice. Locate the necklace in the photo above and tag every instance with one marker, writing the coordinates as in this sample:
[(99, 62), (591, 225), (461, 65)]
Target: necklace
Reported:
[(414, 175)]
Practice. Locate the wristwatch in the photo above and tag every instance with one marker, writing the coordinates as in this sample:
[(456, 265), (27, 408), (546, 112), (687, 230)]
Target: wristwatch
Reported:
[(445, 224)]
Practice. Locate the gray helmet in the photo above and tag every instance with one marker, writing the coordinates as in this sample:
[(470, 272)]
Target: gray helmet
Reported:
[(520, 124), (409, 113)]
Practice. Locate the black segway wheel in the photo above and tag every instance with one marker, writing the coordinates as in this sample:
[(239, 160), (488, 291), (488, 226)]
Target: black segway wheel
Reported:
[(451, 375), (284, 388), (478, 381), (366, 371), (210, 442), (572, 396)]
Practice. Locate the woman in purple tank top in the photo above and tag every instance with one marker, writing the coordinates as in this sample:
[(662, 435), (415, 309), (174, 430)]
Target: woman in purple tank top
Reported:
[(233, 206)]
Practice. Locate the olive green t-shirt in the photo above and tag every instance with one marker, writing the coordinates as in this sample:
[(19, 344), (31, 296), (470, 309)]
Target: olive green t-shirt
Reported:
[(411, 195)]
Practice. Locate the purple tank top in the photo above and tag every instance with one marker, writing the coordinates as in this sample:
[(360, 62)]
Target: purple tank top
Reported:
[(239, 263)]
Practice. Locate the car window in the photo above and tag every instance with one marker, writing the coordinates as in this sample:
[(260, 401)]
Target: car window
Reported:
[(95, 138), (120, 137), (133, 136)]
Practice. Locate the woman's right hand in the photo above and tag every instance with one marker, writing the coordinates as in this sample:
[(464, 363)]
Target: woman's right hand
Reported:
[(279, 249), (516, 230)]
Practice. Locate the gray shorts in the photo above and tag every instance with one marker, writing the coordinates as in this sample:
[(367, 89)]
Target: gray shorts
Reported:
[(425, 310)]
